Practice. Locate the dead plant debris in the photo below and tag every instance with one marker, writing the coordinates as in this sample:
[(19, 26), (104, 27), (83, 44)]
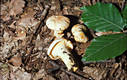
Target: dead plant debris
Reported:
[(25, 39)]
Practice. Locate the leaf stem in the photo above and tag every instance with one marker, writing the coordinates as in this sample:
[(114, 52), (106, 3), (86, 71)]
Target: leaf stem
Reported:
[(125, 31), (110, 32), (123, 4)]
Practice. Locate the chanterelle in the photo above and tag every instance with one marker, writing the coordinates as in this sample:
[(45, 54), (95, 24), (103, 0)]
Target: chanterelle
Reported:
[(78, 33), (58, 24), (59, 49)]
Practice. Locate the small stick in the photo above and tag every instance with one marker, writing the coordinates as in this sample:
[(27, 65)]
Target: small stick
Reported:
[(73, 74), (36, 32), (38, 28), (43, 16), (70, 73)]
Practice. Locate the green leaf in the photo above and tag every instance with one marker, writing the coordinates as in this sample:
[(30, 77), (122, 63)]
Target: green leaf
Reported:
[(102, 17), (106, 47), (124, 13)]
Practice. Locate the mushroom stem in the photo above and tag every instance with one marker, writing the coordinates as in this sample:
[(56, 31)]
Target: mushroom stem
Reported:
[(66, 57), (58, 34)]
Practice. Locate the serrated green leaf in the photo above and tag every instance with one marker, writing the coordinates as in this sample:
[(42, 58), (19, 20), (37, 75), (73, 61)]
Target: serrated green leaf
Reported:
[(106, 47), (102, 17)]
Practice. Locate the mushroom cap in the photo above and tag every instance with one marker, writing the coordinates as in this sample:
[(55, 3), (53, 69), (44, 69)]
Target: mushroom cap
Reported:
[(59, 49), (77, 28), (55, 46), (78, 33), (59, 23)]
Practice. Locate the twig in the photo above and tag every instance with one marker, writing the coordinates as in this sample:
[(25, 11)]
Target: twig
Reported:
[(70, 73), (55, 68), (38, 28), (73, 74), (43, 16)]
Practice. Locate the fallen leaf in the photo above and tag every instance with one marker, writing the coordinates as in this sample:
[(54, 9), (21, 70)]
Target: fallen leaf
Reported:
[(5, 49), (27, 19), (39, 75), (95, 73), (48, 77), (20, 75), (80, 48), (11, 8), (16, 7), (4, 12), (6, 36), (16, 60), (4, 71), (20, 33), (86, 2)]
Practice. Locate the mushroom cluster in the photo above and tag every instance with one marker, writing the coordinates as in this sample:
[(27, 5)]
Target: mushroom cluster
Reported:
[(61, 48)]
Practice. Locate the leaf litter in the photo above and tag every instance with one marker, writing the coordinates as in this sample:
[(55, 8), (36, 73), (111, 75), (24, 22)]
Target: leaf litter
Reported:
[(12, 8), (21, 59)]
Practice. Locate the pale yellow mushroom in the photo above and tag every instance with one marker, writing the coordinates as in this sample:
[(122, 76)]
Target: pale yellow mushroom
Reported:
[(59, 49), (58, 24), (78, 33)]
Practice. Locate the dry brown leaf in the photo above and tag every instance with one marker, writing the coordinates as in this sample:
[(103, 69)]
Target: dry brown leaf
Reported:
[(16, 60), (4, 12), (27, 19), (38, 43), (11, 8), (86, 2), (20, 75), (6, 45), (20, 33), (12, 25), (5, 17), (95, 73), (80, 48), (6, 37), (16, 7), (39, 75), (48, 77), (4, 71), (5, 49)]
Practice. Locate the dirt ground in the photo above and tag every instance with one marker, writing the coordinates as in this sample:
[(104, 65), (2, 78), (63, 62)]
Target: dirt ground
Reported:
[(24, 41)]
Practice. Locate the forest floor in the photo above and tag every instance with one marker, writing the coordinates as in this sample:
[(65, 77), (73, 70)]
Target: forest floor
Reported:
[(25, 39)]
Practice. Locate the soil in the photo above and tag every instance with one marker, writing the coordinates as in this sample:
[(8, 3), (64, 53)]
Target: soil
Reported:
[(25, 39)]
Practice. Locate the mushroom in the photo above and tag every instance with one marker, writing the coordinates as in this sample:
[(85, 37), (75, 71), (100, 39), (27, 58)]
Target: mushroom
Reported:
[(60, 49), (78, 33), (58, 24)]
